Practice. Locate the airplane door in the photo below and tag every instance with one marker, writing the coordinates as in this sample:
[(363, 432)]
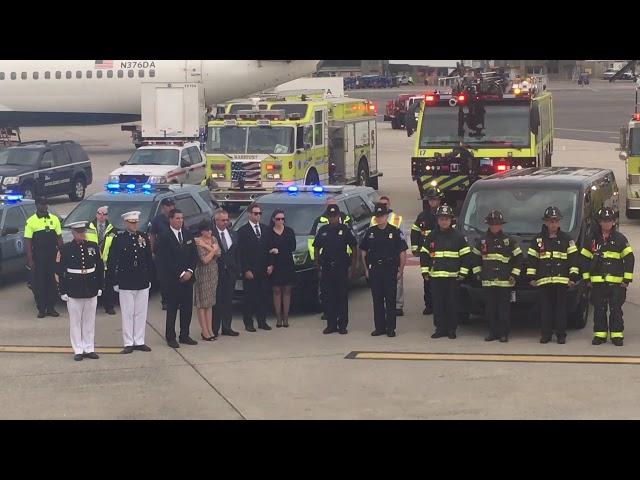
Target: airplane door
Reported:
[(193, 70)]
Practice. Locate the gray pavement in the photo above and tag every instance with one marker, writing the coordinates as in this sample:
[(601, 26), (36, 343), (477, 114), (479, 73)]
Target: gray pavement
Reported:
[(300, 373)]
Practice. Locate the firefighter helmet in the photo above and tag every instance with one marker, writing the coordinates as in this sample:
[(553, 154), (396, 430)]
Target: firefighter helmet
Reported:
[(433, 192), (495, 217), (445, 211), (606, 213), (552, 213)]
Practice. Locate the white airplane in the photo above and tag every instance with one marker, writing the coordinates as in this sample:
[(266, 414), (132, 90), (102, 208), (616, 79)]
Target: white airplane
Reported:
[(94, 92)]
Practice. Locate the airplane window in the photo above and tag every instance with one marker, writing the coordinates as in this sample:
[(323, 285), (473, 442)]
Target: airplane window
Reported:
[(152, 73), (99, 74), (141, 73), (78, 74), (110, 73), (23, 75), (58, 75), (35, 75), (1, 75), (89, 74), (68, 74), (120, 74), (47, 75), (13, 75), (130, 73)]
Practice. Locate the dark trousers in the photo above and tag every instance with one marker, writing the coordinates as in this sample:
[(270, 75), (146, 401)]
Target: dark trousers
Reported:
[(497, 308), (108, 298), (179, 297), (224, 302), (334, 285), (384, 284), (428, 303), (45, 289), (603, 294), (444, 292), (553, 310), (256, 300)]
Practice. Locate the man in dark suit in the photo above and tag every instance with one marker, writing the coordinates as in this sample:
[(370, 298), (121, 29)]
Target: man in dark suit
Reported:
[(176, 257), (228, 271), (254, 260)]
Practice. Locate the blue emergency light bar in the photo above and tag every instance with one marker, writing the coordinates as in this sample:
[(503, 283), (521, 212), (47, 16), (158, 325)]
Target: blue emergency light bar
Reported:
[(131, 187), (308, 188), (11, 197)]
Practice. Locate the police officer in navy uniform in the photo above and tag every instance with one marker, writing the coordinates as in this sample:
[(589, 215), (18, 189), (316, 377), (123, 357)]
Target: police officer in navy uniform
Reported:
[(335, 267), (424, 224), (608, 265), (384, 255), (81, 273), (130, 263), (43, 238)]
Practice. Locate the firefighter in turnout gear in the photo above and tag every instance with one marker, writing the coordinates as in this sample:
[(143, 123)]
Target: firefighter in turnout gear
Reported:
[(608, 266), (335, 244), (496, 260), (423, 225), (102, 232), (553, 266), (395, 220), (444, 261), (81, 274), (384, 254)]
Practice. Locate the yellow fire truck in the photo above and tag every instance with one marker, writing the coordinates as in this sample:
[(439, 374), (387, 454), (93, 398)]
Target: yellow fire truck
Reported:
[(302, 137)]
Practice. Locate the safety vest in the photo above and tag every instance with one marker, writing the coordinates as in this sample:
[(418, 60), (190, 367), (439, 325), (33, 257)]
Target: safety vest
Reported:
[(43, 232), (344, 218), (109, 233)]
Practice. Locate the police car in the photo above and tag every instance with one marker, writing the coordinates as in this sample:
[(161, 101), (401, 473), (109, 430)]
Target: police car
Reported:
[(161, 163), (46, 169), (194, 201), (302, 205), (14, 211), (522, 196)]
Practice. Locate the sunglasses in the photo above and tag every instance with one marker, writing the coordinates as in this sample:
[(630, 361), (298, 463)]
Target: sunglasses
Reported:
[(102, 213), (279, 218)]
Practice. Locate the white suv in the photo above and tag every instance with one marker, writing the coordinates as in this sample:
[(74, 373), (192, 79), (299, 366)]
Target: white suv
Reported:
[(163, 163)]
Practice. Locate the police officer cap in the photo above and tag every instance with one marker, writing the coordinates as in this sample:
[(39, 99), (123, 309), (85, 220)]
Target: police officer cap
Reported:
[(78, 226), (381, 210), (434, 192), (131, 216), (552, 213), (495, 217), (606, 213), (168, 201), (444, 211), (333, 210)]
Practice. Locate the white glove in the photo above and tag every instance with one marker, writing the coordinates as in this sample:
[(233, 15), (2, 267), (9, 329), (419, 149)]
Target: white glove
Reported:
[(64, 297), (116, 288), (99, 293)]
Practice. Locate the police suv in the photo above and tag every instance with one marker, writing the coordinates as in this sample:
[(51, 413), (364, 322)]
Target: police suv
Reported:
[(302, 205), (47, 169), (522, 195), (161, 163)]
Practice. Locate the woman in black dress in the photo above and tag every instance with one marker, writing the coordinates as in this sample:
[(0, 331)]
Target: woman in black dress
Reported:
[(281, 245)]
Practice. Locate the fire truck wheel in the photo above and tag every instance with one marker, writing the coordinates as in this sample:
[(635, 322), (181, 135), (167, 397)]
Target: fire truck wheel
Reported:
[(363, 173), (312, 178)]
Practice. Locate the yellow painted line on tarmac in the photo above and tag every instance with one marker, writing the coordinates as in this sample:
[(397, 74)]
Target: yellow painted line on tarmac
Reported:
[(50, 349), (493, 357)]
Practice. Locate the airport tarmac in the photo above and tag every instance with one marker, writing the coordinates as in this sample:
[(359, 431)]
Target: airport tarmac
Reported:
[(299, 373)]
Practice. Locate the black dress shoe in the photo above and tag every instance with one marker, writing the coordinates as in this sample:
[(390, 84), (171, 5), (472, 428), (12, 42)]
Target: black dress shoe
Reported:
[(41, 314), (504, 339), (78, 357), (618, 342), (343, 331), (377, 333), (427, 311), (188, 341), (109, 311), (173, 344), (264, 326), (399, 312), (452, 335), (250, 328), (490, 338), (142, 348), (545, 339), (92, 355), (329, 330), (391, 333), (439, 334), (562, 340), (598, 341), (230, 333), (128, 349), (52, 312)]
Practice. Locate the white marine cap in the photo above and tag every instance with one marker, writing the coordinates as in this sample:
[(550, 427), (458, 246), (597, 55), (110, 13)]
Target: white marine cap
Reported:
[(78, 225), (135, 215)]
